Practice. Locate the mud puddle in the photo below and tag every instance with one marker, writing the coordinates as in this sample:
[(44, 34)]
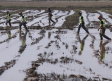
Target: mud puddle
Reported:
[(56, 52), (52, 53), (38, 18)]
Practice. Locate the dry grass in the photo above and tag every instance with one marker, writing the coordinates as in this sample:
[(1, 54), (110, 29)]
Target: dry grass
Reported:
[(59, 4), (109, 10)]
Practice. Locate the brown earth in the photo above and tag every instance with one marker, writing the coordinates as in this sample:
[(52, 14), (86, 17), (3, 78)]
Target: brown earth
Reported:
[(59, 4)]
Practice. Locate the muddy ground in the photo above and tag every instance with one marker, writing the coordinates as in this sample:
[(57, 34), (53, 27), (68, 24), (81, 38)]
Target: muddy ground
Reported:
[(58, 4), (55, 52)]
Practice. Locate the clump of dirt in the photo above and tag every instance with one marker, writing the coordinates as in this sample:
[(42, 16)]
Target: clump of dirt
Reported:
[(8, 28), (37, 40), (7, 66)]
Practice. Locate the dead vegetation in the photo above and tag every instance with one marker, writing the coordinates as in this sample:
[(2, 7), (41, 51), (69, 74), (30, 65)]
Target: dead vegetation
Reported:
[(72, 20)]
